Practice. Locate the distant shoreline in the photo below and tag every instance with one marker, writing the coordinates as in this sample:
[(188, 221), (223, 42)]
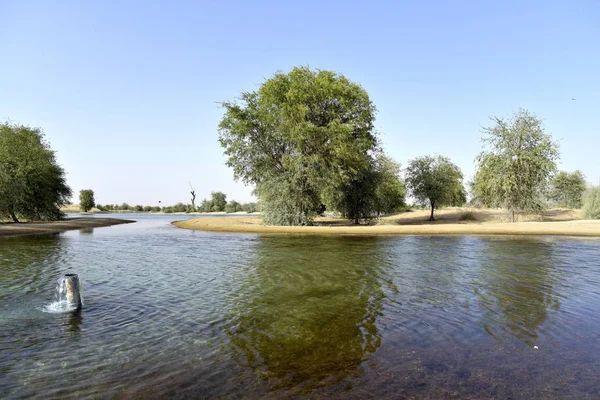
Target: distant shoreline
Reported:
[(95, 212), (556, 223), (40, 228)]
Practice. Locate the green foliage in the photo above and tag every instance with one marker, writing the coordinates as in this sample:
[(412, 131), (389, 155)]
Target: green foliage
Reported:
[(566, 189), (355, 199), (285, 204), (138, 208), (591, 203), (147, 208), (514, 172), (86, 200), (297, 135), (250, 207), (377, 189), (390, 191), (233, 206), (435, 181), (205, 206), (218, 201), (32, 184), (124, 207)]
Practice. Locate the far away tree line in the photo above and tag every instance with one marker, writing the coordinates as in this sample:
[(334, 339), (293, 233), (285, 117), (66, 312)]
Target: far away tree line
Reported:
[(306, 142), (217, 203)]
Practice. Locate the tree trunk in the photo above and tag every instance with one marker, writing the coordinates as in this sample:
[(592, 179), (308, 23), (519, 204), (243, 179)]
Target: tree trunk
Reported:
[(432, 207), (356, 221), (14, 218), (513, 215)]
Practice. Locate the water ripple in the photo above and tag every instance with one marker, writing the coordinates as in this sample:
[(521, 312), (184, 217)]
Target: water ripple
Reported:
[(175, 313)]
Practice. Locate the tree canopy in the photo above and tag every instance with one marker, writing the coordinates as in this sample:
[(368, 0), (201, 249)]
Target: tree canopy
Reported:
[(513, 171), (297, 135), (566, 189), (32, 184), (374, 190), (86, 200), (435, 181)]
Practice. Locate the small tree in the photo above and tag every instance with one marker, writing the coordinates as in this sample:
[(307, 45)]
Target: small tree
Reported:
[(566, 189), (435, 181), (233, 206), (205, 206), (591, 203), (373, 190), (218, 201), (250, 207), (390, 191), (514, 172), (86, 200)]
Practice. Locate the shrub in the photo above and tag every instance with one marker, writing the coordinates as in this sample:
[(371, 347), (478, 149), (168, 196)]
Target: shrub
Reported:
[(467, 216), (591, 203)]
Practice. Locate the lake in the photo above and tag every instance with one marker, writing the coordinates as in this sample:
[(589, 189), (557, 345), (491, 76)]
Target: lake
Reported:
[(189, 314)]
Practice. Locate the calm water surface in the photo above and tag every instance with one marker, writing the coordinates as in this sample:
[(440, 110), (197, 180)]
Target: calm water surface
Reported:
[(189, 314)]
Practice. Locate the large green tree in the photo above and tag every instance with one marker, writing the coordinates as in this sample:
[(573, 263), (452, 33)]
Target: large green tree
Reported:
[(566, 189), (435, 181), (32, 184), (514, 168), (86, 200), (298, 134)]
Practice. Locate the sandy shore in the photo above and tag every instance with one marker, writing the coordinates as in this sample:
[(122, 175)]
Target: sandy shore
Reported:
[(485, 222), (36, 228)]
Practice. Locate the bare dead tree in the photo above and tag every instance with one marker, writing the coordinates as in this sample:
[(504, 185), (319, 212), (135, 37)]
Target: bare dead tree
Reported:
[(193, 193)]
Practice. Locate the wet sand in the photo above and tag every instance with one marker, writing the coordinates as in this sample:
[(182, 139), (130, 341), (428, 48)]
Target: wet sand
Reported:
[(486, 222), (37, 228)]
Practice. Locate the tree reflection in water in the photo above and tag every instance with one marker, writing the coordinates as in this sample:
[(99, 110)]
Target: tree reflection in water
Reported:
[(519, 292), (306, 314)]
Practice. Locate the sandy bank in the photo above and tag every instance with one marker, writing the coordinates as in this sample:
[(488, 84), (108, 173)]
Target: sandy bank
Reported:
[(563, 223), (36, 228)]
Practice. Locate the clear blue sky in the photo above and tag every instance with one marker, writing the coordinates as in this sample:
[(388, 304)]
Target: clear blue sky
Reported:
[(126, 92)]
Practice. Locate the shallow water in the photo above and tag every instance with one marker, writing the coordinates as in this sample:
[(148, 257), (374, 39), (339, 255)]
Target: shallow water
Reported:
[(178, 313)]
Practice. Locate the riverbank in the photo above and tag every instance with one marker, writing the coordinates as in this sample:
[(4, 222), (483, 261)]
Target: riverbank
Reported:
[(37, 228), (450, 222)]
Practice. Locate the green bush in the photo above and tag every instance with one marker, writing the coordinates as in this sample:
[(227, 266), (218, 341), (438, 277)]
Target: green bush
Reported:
[(250, 207), (591, 203)]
